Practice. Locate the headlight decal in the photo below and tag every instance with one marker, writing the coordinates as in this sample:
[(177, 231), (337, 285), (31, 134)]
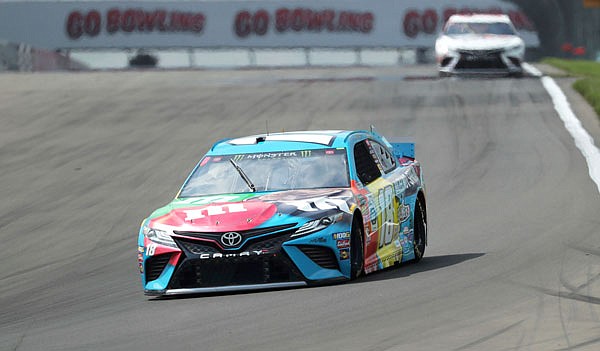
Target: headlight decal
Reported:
[(158, 236), (317, 225)]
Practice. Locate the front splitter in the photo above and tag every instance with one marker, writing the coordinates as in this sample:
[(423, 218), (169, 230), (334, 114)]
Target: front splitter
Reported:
[(229, 288)]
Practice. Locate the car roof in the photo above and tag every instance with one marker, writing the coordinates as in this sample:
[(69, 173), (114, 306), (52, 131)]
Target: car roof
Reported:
[(297, 140), (479, 18)]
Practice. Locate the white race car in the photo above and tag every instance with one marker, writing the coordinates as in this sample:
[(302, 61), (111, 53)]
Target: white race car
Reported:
[(479, 44)]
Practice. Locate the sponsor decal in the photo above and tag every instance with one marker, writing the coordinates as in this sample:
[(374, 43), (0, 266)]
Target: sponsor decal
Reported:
[(237, 158), (400, 186), (344, 254), (213, 210), (321, 203), (318, 240), (372, 210), (371, 268), (305, 153), (302, 20), (407, 236), (413, 179), (230, 217), (132, 20), (362, 200), (206, 256), (388, 260), (344, 243), (141, 259), (340, 236), (404, 213), (272, 155), (410, 234)]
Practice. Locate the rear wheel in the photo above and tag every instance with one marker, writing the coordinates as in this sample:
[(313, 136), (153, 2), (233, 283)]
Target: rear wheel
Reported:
[(356, 250), (420, 231)]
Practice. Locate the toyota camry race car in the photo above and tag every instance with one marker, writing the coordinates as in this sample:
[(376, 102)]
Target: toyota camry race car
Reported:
[(477, 44), (287, 209)]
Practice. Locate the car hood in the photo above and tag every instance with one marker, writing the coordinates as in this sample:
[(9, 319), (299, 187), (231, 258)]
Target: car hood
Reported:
[(481, 42), (238, 212)]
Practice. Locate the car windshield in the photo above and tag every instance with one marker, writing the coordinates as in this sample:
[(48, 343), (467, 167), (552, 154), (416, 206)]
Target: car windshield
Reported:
[(498, 28), (268, 171)]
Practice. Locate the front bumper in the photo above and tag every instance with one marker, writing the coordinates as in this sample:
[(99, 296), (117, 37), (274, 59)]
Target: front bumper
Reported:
[(268, 260), (480, 62)]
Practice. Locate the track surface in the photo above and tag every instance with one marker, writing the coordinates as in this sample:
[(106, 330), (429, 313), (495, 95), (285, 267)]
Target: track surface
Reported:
[(514, 255)]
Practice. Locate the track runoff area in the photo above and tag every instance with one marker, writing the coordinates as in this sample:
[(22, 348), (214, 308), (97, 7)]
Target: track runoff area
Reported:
[(512, 261), (583, 140)]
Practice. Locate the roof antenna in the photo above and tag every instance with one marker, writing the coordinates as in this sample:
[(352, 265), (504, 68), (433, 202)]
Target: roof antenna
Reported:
[(267, 126)]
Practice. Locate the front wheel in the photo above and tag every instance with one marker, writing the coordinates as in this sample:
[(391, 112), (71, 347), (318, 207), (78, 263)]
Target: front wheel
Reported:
[(420, 231), (356, 250)]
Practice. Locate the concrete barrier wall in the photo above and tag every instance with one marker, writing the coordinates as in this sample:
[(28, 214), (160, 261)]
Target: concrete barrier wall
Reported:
[(8, 57), (24, 58)]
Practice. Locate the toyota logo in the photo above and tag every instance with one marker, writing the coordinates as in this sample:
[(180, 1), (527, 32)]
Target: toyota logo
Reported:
[(231, 239)]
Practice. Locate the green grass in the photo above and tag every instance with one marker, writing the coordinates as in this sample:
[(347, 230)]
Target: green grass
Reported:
[(589, 84), (576, 67), (590, 89)]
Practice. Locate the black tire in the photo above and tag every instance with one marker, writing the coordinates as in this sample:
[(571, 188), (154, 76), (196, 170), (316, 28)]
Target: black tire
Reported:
[(357, 260), (420, 231)]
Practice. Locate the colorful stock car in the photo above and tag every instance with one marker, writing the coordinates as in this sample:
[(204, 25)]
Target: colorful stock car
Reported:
[(287, 209)]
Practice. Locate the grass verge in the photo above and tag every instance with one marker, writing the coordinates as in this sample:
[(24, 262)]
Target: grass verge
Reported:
[(589, 83)]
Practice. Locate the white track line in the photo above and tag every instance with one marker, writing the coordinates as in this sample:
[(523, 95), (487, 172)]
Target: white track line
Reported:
[(532, 70), (583, 140)]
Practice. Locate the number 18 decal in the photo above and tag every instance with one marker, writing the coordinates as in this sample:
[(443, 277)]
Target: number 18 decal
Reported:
[(386, 203), (150, 249)]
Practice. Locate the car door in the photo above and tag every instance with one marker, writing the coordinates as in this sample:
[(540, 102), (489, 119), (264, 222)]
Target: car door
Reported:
[(376, 169)]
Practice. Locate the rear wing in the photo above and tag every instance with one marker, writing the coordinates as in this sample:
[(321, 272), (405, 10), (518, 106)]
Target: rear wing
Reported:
[(403, 147)]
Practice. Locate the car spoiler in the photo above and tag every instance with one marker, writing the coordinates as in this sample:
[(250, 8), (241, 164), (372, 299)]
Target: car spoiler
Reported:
[(403, 147)]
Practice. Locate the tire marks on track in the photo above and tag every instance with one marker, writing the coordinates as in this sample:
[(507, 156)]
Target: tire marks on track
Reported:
[(490, 336)]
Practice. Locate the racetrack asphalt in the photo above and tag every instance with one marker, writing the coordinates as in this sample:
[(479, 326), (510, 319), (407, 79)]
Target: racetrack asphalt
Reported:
[(513, 261)]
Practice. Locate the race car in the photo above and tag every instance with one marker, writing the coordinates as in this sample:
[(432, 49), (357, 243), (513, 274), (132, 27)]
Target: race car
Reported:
[(284, 210), (479, 44)]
